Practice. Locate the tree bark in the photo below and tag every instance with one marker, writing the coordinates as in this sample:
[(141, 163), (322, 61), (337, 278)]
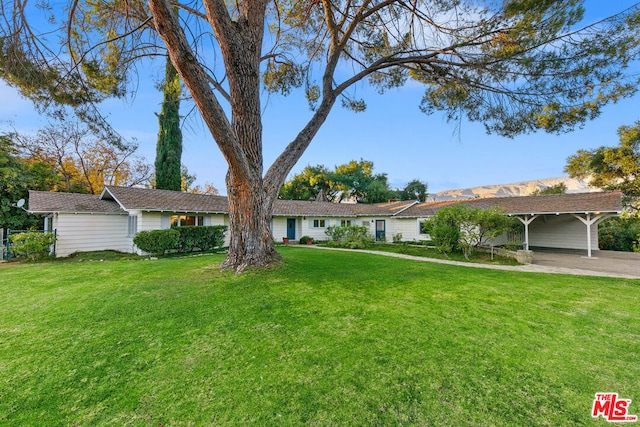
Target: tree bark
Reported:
[(251, 239)]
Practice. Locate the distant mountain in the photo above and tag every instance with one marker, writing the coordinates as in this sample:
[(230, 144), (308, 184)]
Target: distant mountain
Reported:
[(524, 188)]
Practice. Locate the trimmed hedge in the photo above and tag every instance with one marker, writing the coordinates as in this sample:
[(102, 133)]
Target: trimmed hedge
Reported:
[(181, 239), (157, 241), (203, 238)]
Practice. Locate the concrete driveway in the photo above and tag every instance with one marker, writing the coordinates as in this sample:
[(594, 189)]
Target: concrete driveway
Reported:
[(621, 264)]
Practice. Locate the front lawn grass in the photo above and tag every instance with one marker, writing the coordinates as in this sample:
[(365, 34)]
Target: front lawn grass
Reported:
[(477, 256), (330, 338)]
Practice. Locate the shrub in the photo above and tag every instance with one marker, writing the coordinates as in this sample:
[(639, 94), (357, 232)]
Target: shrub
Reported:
[(157, 241), (32, 244), (619, 234), (460, 228), (397, 238), (351, 237), (305, 239), (443, 236), (203, 238)]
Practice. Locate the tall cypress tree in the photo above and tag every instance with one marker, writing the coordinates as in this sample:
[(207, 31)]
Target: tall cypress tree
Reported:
[(169, 147)]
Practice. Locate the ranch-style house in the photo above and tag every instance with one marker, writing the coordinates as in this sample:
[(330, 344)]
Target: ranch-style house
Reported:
[(110, 220)]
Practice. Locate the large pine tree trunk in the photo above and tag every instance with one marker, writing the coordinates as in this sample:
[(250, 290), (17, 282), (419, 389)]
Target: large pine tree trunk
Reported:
[(251, 240)]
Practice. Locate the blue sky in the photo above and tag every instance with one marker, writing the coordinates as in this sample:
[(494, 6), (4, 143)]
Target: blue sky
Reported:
[(393, 133)]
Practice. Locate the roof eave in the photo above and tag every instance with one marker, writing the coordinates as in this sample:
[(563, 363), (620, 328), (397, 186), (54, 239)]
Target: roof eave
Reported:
[(581, 212)]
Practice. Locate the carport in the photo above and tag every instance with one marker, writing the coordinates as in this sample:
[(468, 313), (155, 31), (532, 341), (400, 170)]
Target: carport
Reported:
[(562, 221), (589, 219)]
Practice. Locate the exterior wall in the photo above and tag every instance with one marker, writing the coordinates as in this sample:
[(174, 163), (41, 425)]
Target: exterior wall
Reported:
[(86, 232), (409, 227), (279, 228), (304, 226), (561, 231), (148, 221)]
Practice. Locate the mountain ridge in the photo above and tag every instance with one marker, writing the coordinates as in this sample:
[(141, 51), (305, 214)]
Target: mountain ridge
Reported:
[(522, 188)]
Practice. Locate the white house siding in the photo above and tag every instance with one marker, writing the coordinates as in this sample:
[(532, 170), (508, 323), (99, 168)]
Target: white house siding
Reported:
[(86, 232), (561, 231), (409, 227), (148, 221), (316, 233), (279, 228)]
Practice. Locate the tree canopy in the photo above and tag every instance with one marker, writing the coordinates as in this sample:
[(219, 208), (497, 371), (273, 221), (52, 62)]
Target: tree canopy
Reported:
[(515, 65), (17, 177), (352, 181), (559, 188), (82, 162), (612, 168)]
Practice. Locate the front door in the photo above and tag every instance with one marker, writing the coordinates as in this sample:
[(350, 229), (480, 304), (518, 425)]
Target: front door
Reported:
[(291, 228), (380, 230)]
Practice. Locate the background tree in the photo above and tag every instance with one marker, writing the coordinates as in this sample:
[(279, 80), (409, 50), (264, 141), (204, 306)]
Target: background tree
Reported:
[(517, 66), (356, 181), (353, 181), (83, 163), (307, 184), (612, 168), (560, 188), (17, 177), (415, 190), (207, 188), (169, 147)]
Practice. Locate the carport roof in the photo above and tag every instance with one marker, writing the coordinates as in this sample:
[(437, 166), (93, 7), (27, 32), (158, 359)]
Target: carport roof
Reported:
[(577, 203)]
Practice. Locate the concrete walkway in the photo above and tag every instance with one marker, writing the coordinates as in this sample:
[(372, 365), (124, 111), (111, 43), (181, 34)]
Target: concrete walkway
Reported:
[(609, 264)]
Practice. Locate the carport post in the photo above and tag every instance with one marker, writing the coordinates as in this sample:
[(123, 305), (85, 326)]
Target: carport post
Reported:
[(526, 221), (589, 221)]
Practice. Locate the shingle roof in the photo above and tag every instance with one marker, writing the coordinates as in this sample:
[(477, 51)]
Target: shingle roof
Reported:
[(544, 204), (165, 200), (311, 208), (45, 202)]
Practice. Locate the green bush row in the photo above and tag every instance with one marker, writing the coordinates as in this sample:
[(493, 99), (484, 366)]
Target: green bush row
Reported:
[(181, 239), (200, 238)]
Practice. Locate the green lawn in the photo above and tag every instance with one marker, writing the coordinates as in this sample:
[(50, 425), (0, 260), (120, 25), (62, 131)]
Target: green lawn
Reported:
[(330, 338), (477, 256)]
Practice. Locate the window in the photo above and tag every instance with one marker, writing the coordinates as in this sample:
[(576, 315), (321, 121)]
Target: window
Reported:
[(132, 225), (420, 225), (186, 220), (345, 223), (48, 223), (319, 223)]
